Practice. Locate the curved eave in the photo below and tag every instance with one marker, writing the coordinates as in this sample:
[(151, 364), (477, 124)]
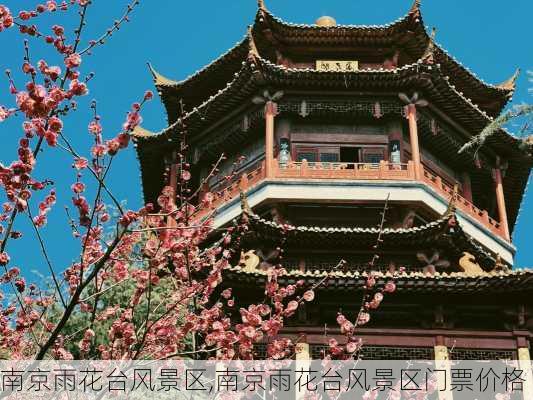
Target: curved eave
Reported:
[(152, 165), (429, 79), (433, 234), (242, 86), (470, 116), (418, 76), (517, 281), (140, 132), (492, 98), (151, 148), (266, 18), (194, 89), (256, 222), (409, 29)]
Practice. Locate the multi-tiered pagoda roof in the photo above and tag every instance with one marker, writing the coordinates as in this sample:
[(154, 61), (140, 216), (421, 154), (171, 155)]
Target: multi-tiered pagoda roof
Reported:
[(398, 57), (270, 35), (444, 233), (446, 242)]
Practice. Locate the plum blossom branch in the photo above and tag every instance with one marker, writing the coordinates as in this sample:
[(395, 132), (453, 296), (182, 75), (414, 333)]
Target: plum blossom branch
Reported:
[(147, 251), (101, 292), (371, 300), (38, 93), (47, 258), (208, 177), (116, 26), (68, 148), (174, 228), (73, 302)]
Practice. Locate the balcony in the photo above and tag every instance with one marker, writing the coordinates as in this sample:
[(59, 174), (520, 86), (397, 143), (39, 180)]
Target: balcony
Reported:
[(339, 170), (383, 171)]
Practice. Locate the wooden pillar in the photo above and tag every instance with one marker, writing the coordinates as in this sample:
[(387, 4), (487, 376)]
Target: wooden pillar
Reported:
[(442, 363), (467, 186), (302, 362), (173, 179), (270, 113), (302, 351), (413, 138), (524, 363), (500, 200), (173, 183), (411, 170)]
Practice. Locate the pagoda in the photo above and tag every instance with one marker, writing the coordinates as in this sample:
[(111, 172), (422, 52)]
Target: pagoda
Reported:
[(350, 137)]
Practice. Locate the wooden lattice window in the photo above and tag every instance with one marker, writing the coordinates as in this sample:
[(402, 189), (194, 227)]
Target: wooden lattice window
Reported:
[(373, 155), (315, 154), (329, 157), (382, 352), (307, 153), (482, 354)]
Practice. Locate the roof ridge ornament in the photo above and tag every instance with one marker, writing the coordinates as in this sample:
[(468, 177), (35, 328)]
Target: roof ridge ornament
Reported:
[(160, 80), (139, 131), (245, 206), (450, 211), (499, 265), (510, 84), (253, 53), (429, 54), (261, 5), (415, 8), (469, 265)]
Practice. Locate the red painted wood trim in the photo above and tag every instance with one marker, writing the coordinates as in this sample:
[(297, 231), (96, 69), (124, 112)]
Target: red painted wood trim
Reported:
[(422, 338)]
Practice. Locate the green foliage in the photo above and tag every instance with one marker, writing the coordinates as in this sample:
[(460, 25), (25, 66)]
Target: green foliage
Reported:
[(119, 295), (476, 142), (517, 112)]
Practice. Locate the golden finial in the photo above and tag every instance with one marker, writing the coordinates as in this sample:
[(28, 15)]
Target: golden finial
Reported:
[(326, 21), (261, 4)]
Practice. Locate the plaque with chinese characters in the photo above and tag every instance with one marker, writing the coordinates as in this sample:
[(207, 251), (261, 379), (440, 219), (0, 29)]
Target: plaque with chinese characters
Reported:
[(337, 65)]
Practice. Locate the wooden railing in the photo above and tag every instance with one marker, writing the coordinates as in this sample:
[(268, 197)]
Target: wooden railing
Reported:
[(336, 170), (447, 191), (226, 191), (385, 171)]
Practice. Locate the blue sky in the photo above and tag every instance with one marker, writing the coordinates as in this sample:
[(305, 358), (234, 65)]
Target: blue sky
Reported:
[(179, 37)]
